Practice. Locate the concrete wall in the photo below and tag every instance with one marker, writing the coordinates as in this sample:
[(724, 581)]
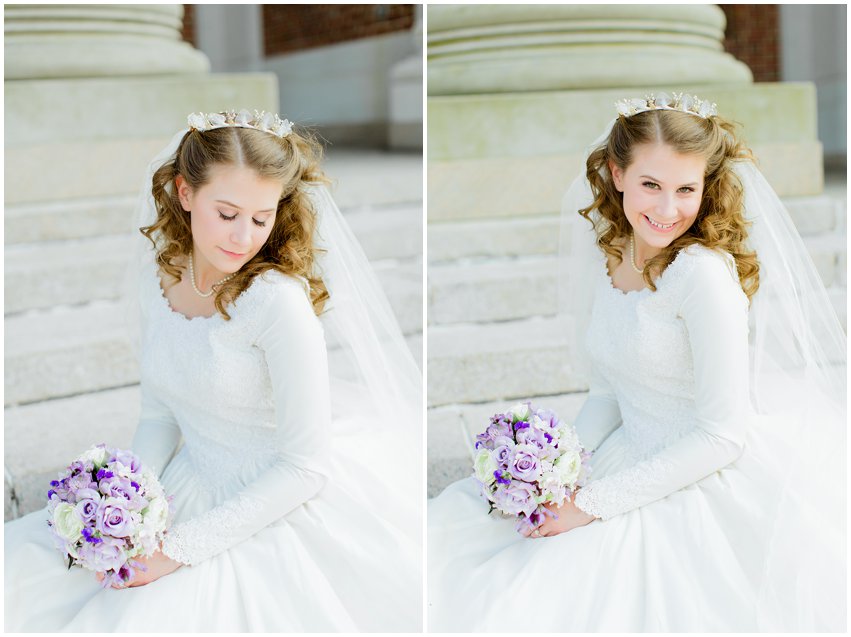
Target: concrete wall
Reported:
[(813, 48)]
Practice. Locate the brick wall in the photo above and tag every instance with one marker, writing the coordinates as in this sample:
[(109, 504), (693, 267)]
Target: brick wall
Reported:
[(288, 28), (189, 24), (752, 36)]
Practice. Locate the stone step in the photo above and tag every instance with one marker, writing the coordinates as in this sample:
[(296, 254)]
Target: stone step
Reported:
[(509, 289), (499, 361), (72, 272), (497, 290), (41, 439), (539, 234), (362, 180), (452, 430), (75, 350)]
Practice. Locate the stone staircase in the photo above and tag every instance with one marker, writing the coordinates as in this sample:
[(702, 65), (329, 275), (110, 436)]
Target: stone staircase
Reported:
[(71, 379), (492, 295)]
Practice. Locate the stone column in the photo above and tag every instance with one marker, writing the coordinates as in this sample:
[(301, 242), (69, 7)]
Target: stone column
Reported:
[(507, 48), (64, 41)]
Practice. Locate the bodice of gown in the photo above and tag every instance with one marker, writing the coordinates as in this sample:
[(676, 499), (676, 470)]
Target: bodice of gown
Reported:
[(640, 346), (211, 376), (671, 371), (249, 398)]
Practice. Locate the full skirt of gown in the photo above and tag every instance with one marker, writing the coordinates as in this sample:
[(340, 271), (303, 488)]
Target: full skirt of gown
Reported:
[(339, 562), (723, 554)]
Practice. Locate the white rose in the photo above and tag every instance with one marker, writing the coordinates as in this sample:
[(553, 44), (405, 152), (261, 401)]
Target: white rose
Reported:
[(97, 455), (567, 468), (67, 522), (156, 514), (484, 465), (520, 411)]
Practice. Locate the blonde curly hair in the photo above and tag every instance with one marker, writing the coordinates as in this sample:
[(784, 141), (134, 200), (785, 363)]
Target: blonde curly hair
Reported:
[(720, 222), (290, 249)]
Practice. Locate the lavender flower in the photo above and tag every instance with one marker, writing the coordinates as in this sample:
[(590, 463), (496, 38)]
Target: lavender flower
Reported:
[(528, 458), (105, 510)]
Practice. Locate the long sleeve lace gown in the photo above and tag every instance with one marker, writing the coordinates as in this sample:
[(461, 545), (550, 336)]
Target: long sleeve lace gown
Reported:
[(287, 519), (685, 479)]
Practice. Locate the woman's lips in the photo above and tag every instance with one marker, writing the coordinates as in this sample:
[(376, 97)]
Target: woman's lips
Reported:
[(652, 224), (232, 255)]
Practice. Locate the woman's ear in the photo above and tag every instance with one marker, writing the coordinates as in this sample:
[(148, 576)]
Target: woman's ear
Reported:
[(617, 175), (184, 193)]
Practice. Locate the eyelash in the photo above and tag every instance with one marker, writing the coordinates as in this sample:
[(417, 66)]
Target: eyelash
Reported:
[(652, 183), (262, 224)]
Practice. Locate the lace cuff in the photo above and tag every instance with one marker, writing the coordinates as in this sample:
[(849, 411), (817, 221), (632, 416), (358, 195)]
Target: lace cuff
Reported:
[(622, 491), (207, 535)]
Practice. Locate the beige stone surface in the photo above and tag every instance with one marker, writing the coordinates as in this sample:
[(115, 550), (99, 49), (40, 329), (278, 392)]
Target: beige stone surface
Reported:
[(546, 123)]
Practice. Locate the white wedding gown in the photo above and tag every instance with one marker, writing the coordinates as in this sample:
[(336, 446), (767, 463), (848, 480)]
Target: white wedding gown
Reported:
[(288, 518), (685, 478)]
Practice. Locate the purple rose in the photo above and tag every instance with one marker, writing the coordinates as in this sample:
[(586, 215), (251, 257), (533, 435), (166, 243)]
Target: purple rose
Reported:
[(113, 519), (501, 424), (81, 481), (103, 556), (525, 464), (126, 458), (515, 498), (503, 451), (88, 502)]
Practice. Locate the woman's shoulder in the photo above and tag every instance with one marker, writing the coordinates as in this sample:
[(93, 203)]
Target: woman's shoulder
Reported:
[(698, 258), (710, 270), (273, 292)]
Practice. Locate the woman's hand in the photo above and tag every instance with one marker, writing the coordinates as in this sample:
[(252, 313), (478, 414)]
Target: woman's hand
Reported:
[(157, 564), (568, 517)]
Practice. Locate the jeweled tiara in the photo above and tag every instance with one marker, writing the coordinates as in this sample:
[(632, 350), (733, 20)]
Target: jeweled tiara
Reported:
[(261, 120), (679, 102)]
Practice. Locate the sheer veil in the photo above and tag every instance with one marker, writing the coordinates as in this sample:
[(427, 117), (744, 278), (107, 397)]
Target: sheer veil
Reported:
[(371, 367), (797, 372)]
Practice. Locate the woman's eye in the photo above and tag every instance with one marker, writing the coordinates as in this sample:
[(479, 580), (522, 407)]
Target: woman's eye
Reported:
[(225, 217), (650, 184), (687, 189), (262, 224)]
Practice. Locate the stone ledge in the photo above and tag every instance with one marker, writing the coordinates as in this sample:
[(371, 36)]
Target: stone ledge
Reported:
[(522, 186), (42, 276), (501, 361)]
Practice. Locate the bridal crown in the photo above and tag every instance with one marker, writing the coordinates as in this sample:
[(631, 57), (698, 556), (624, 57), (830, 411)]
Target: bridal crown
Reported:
[(679, 102), (261, 120)]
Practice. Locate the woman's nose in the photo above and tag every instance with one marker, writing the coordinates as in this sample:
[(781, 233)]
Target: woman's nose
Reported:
[(667, 208), (241, 234)]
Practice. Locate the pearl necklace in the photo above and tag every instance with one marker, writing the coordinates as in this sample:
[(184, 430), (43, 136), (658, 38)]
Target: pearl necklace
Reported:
[(195, 287), (632, 254)]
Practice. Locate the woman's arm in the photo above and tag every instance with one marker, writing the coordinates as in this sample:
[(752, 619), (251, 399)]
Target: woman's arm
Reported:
[(600, 414), (715, 313)]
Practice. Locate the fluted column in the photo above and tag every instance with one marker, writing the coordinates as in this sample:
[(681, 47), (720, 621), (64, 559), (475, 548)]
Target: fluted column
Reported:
[(507, 48), (68, 41)]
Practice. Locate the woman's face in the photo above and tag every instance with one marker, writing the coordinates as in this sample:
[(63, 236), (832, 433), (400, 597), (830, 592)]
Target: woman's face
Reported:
[(662, 191), (231, 216)]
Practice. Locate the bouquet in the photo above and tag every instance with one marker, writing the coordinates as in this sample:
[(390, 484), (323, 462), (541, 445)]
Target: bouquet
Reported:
[(528, 458), (105, 510)]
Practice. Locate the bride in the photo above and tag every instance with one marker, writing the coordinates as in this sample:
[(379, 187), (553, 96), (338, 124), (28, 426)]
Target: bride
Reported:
[(294, 497), (715, 414)]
